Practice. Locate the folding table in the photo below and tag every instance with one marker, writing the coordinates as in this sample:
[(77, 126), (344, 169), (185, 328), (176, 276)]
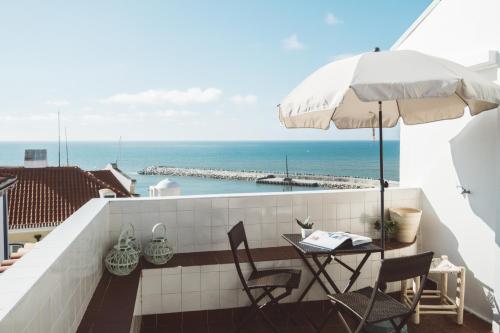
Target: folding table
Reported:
[(315, 253)]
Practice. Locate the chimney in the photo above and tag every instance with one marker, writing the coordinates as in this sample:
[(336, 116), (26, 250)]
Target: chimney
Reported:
[(35, 158)]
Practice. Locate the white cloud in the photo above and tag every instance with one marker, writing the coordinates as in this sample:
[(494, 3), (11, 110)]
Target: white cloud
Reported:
[(178, 97), (44, 116), (31, 117), (57, 102), (7, 117), (244, 99), (331, 19), (95, 117), (292, 43), (141, 116), (175, 113)]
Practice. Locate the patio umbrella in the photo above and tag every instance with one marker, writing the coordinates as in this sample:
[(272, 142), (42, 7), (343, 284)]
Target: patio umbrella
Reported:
[(375, 89)]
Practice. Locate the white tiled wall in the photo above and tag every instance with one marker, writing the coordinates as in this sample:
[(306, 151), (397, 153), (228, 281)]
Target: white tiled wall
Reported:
[(165, 290), (266, 217), (49, 289), (201, 223)]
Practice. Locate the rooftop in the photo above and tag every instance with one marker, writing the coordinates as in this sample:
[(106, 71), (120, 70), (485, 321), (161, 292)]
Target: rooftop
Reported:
[(45, 197), (62, 281), (107, 177), (6, 181)]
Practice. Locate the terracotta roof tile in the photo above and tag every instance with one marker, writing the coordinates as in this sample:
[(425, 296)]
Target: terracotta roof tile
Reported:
[(6, 181), (45, 197), (108, 177)]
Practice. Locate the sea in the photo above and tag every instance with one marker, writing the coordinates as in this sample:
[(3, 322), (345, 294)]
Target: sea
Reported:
[(340, 158)]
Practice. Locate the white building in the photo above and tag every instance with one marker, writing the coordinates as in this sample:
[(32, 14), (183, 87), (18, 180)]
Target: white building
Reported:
[(6, 182), (164, 188), (442, 157), (122, 177)]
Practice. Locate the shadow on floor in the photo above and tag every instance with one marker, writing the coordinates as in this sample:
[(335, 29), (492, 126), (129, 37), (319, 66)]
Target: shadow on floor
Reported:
[(222, 321)]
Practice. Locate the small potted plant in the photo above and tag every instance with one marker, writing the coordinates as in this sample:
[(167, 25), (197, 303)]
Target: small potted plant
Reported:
[(391, 228), (306, 227)]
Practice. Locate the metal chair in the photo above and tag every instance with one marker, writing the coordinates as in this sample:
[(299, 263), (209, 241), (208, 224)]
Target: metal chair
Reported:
[(264, 280), (371, 305)]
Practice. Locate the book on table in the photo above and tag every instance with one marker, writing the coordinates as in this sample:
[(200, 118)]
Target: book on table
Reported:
[(333, 240)]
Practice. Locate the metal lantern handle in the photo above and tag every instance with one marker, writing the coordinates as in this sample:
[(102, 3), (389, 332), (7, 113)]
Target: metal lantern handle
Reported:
[(156, 227), (130, 230), (123, 239)]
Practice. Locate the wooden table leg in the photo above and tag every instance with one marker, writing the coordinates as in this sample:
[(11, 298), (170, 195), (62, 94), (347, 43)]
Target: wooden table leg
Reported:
[(443, 288), (416, 287), (460, 295), (403, 291)]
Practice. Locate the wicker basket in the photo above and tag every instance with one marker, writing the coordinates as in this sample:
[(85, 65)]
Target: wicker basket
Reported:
[(123, 258), (158, 251)]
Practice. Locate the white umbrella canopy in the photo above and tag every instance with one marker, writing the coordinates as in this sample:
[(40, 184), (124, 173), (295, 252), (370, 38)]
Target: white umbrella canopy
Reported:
[(414, 86), (376, 89)]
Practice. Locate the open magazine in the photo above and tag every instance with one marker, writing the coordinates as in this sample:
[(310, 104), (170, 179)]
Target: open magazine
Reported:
[(333, 240)]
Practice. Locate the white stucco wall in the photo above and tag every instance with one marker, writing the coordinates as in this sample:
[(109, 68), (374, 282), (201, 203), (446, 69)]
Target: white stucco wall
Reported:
[(438, 157), (2, 254), (496, 286)]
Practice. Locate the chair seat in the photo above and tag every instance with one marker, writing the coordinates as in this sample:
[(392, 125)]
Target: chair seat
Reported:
[(384, 308), (279, 278)]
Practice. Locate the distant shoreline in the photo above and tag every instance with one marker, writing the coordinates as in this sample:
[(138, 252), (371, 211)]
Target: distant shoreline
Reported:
[(192, 141)]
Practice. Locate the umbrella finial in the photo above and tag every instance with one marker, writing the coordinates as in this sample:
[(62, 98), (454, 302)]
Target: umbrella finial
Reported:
[(376, 49)]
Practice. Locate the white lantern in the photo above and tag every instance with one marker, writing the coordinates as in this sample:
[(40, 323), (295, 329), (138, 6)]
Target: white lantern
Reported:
[(158, 251), (130, 234), (122, 259)]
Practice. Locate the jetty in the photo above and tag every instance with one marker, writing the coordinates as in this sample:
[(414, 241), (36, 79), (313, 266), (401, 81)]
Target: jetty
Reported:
[(270, 178)]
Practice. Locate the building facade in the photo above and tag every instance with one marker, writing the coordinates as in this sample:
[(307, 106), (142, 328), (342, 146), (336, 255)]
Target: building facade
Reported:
[(446, 157)]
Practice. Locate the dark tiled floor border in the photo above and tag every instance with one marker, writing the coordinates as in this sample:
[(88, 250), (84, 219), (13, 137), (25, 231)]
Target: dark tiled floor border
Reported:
[(258, 254)]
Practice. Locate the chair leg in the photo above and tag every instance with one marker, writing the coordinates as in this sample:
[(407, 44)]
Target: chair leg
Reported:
[(361, 327), (268, 321), (328, 316), (275, 301), (257, 309), (344, 322), (252, 312), (397, 328), (402, 323)]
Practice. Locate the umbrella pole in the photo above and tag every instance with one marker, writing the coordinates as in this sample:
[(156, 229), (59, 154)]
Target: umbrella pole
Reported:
[(382, 182)]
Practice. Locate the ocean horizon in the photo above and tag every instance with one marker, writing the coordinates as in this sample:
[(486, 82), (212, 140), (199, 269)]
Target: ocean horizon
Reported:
[(358, 158)]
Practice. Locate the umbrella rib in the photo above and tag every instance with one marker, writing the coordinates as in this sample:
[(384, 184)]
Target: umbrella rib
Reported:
[(463, 100), (399, 111)]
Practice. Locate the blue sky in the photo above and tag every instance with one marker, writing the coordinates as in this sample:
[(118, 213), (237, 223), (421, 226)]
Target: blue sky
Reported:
[(177, 70)]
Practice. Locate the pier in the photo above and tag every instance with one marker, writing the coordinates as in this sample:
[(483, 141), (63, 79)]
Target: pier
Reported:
[(269, 178), (287, 181)]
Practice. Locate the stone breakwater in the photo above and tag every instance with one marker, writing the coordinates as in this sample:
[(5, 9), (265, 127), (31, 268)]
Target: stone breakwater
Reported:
[(334, 182)]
